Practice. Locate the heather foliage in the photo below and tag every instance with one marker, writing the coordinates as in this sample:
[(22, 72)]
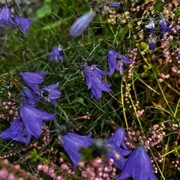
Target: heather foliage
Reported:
[(90, 89)]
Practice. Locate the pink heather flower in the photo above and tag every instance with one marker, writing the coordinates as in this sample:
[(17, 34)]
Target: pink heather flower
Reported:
[(94, 81)]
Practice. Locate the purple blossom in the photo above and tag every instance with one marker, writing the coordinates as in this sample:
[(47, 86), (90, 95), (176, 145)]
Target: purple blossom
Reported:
[(138, 166), (57, 54), (81, 24), (151, 43), (72, 143), (32, 119), (179, 51), (22, 23), (52, 93), (5, 16), (117, 61), (118, 148), (33, 79), (115, 4), (163, 25), (16, 132), (150, 27), (29, 97), (95, 82)]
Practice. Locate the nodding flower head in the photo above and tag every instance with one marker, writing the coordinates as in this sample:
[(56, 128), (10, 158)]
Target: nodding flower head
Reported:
[(72, 143), (82, 23), (150, 27), (22, 23), (95, 81), (117, 61), (151, 43), (138, 166), (5, 16), (115, 4), (57, 54), (164, 27)]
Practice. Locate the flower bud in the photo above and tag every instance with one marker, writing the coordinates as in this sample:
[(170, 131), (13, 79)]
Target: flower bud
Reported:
[(81, 24)]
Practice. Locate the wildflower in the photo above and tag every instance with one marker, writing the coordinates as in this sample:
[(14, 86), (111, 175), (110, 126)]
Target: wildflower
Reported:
[(118, 148), (57, 54), (115, 4), (138, 166), (163, 25), (16, 132), (72, 143), (81, 24), (50, 93), (22, 23), (29, 97), (33, 79), (151, 43), (117, 61), (179, 51), (5, 16), (95, 82), (150, 27), (32, 119)]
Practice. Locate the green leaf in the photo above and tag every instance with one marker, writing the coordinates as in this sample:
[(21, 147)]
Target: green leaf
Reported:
[(45, 10)]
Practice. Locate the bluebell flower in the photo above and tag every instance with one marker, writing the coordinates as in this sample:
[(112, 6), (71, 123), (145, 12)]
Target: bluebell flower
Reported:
[(151, 43), (16, 132), (94, 81), (33, 119), (57, 54), (5, 16), (117, 61), (82, 23), (50, 93), (115, 4), (29, 97), (72, 143), (22, 23), (33, 79), (150, 27), (164, 27), (118, 148), (138, 166), (179, 51)]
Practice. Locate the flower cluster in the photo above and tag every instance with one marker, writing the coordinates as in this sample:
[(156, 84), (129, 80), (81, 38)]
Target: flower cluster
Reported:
[(138, 164), (6, 18), (164, 27), (30, 122)]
